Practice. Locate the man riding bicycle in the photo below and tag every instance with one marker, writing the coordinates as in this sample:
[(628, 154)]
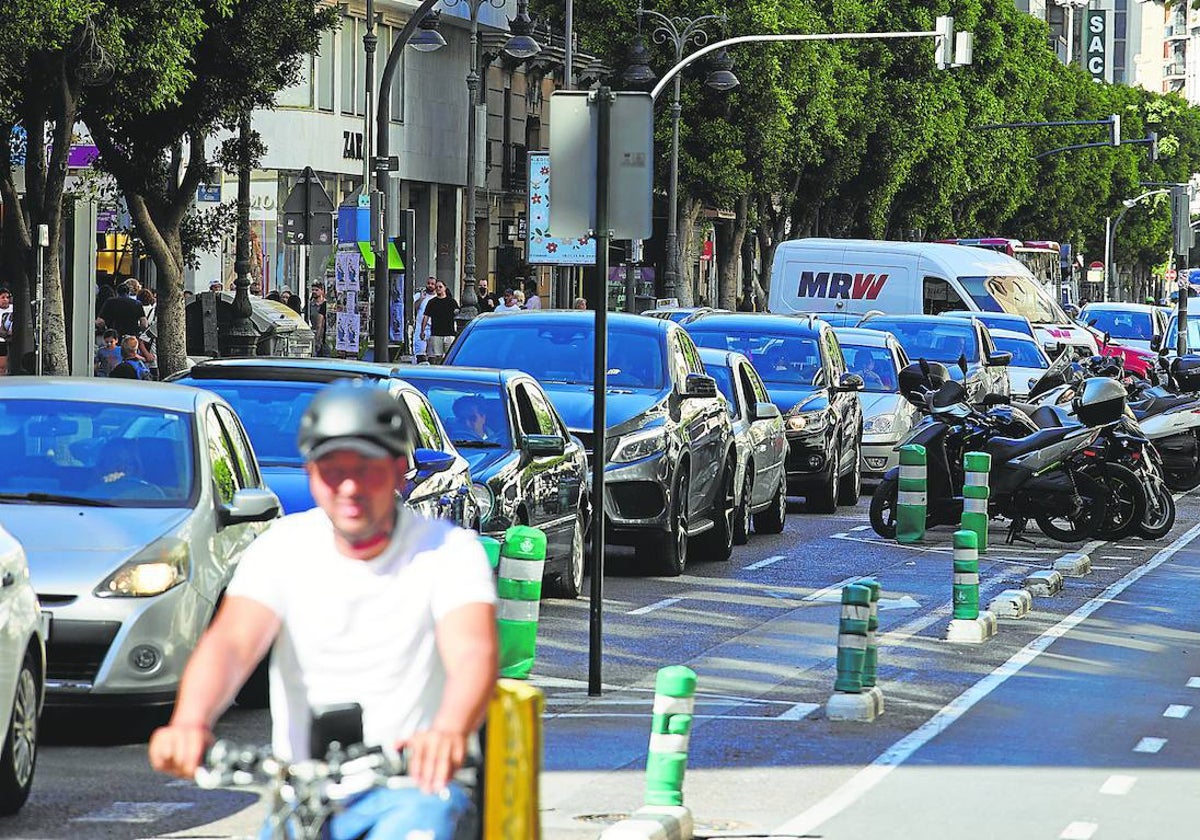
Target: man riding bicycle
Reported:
[(363, 602)]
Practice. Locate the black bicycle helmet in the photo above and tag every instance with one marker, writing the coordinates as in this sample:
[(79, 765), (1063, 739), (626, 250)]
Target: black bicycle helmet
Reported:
[(358, 416)]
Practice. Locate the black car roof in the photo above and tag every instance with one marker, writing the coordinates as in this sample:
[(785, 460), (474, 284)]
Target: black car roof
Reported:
[(489, 376), (552, 317), (755, 321)]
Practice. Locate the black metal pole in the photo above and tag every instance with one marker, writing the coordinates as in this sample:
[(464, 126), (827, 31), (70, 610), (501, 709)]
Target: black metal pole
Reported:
[(1184, 287), (240, 336), (383, 121), (600, 305)]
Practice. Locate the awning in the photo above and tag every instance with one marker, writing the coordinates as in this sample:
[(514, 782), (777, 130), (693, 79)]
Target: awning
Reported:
[(394, 261)]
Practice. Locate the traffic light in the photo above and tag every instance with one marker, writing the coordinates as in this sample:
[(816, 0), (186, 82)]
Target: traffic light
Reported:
[(1114, 123), (1153, 138), (944, 41), (1181, 218)]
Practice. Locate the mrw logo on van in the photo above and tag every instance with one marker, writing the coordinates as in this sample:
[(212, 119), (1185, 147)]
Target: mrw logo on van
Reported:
[(838, 284)]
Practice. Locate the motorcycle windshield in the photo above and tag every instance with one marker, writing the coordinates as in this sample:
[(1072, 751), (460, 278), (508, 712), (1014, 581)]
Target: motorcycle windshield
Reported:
[(1059, 373)]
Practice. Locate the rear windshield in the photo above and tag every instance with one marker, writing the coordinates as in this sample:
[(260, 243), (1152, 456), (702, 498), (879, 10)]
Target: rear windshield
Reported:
[(875, 365), (942, 341), (779, 358), (271, 413)]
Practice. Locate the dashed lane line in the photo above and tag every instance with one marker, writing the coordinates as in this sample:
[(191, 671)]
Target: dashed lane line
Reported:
[(1177, 711), (1193, 682), (1078, 831), (879, 769), (1118, 785), (134, 812), (657, 605), (1150, 745), (762, 564)]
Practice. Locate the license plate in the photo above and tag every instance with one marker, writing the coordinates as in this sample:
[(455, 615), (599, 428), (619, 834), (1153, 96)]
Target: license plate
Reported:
[(46, 617)]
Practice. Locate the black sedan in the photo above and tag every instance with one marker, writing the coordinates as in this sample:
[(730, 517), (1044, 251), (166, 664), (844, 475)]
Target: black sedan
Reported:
[(801, 364), (270, 395), (526, 467)]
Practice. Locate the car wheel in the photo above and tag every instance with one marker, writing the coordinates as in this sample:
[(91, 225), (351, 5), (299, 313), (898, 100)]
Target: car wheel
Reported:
[(717, 543), (824, 499), (850, 485), (772, 520), (569, 584), (668, 552), (20, 746), (742, 517)]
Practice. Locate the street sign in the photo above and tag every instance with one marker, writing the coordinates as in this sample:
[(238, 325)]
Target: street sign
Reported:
[(1095, 272), (308, 212), (391, 163)]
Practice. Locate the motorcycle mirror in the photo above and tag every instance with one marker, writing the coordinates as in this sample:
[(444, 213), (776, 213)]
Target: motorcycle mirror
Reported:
[(1092, 322), (962, 363), (925, 370), (1107, 339)]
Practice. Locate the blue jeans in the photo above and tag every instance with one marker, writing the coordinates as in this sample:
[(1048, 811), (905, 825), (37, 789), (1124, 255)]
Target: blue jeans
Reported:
[(383, 814)]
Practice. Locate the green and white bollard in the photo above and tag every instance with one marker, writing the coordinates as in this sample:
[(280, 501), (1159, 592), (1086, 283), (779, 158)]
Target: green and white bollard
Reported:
[(871, 660), (491, 547), (977, 466), (852, 638), (966, 575), (519, 590), (911, 494), (670, 730)]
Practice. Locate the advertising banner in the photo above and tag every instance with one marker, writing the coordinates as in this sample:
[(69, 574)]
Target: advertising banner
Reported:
[(541, 248)]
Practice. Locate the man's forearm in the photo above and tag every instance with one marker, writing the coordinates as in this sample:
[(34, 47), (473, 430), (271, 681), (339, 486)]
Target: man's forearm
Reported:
[(468, 689), (211, 680)]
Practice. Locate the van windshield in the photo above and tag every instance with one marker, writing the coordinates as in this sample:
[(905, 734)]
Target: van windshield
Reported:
[(1015, 295)]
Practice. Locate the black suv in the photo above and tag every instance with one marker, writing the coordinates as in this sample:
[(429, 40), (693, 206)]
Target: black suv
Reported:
[(670, 462), (801, 363)]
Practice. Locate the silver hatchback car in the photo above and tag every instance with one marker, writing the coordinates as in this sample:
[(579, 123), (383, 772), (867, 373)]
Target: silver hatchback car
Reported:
[(133, 501)]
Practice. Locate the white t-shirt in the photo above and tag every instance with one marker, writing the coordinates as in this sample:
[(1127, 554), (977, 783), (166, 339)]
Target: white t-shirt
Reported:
[(504, 307), (359, 631)]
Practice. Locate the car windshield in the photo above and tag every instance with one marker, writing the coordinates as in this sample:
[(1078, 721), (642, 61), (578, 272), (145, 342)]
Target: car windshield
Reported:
[(562, 352), (271, 413), (1025, 354), (779, 358), (474, 412), (1016, 296), (938, 341), (71, 452), (724, 377), (875, 365), (1119, 323), (1193, 334)]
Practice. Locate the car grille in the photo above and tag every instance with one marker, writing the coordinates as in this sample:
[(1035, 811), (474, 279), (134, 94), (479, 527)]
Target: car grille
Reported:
[(638, 499), (77, 648)]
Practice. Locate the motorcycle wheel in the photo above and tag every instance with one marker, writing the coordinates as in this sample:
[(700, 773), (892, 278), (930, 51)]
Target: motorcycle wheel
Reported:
[(1084, 525), (883, 509), (1160, 514), (1183, 481), (1126, 504)]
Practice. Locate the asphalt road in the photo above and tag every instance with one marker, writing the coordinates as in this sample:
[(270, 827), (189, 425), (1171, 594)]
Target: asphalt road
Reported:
[(760, 632)]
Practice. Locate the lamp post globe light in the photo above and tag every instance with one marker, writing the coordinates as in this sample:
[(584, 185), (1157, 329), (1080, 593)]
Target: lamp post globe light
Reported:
[(520, 46), (680, 33)]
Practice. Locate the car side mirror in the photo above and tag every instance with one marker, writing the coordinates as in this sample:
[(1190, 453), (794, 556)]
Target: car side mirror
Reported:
[(429, 462), (1000, 358), (544, 445), (250, 504), (699, 386), (850, 382), (766, 411), (1156, 342)]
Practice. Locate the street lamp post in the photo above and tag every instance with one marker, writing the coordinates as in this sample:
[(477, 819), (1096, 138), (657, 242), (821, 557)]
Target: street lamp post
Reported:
[(1110, 285), (240, 337), (679, 32)]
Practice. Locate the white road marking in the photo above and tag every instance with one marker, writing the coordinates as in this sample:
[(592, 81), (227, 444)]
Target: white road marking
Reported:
[(657, 605), (799, 711), (833, 592), (844, 536), (135, 812), (1193, 682), (1177, 711), (645, 716), (902, 750), (1150, 745), (762, 564), (1117, 785), (937, 549), (1078, 831), (861, 528)]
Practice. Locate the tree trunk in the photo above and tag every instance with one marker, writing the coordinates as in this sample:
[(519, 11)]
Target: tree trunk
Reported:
[(166, 250), (15, 247), (686, 233), (729, 249)]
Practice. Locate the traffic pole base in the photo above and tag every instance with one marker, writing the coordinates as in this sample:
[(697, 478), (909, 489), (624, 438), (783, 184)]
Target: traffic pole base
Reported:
[(653, 822), (972, 631), (1076, 564), (877, 695), (1011, 603), (1047, 583), (860, 707)]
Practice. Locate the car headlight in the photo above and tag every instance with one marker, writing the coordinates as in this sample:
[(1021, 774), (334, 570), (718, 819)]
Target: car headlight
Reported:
[(639, 445), (483, 497), (807, 421), (155, 569), (880, 424)]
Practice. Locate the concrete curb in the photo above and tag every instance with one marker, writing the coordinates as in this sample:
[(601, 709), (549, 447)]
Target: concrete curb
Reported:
[(1011, 603), (972, 631), (1046, 583), (653, 822), (1076, 564)]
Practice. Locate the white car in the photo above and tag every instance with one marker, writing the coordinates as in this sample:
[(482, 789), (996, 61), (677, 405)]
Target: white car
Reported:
[(1029, 360), (1131, 324), (887, 417), (22, 675)]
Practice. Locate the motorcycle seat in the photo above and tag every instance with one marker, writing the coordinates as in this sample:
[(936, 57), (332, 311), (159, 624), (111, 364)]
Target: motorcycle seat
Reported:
[(1004, 449), (1051, 417), (1160, 405)]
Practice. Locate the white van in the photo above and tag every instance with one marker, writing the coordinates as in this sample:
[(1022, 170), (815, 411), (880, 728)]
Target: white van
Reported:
[(914, 278)]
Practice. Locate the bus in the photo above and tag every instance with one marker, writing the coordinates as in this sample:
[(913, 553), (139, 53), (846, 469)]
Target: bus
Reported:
[(1042, 257)]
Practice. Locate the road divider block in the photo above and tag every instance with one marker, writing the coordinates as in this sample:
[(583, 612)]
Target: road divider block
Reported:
[(1075, 564), (969, 625), (911, 495), (1011, 603), (670, 732), (653, 822), (519, 593), (977, 467), (1047, 582), (852, 699), (871, 661)]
